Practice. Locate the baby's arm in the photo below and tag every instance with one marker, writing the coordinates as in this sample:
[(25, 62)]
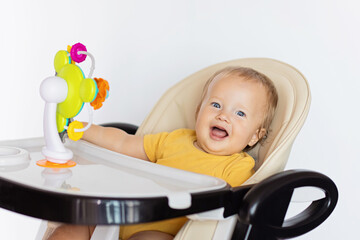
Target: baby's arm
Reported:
[(116, 140)]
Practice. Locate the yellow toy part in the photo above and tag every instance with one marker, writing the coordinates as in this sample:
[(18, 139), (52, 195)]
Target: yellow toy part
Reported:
[(61, 122), (88, 90), (73, 103), (61, 59), (71, 130)]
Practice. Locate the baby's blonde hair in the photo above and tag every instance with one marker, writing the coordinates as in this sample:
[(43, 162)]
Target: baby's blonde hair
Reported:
[(253, 75)]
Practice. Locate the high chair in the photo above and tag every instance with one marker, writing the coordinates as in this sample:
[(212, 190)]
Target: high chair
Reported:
[(176, 109), (255, 210)]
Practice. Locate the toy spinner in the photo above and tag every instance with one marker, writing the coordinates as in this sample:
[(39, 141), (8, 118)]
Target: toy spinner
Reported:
[(65, 95)]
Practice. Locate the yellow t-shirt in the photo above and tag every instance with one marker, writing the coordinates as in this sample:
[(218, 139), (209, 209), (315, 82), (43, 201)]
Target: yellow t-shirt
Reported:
[(177, 150)]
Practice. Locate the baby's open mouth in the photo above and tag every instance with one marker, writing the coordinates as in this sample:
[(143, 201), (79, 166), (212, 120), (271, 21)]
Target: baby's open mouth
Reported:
[(219, 132)]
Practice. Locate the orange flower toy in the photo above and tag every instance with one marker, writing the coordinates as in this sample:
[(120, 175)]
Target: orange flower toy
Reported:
[(65, 95)]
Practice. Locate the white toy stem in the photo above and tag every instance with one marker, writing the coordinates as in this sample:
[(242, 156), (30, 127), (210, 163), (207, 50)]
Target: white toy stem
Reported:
[(53, 90), (51, 136)]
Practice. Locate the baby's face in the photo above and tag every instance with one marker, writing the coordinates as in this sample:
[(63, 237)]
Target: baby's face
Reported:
[(230, 115)]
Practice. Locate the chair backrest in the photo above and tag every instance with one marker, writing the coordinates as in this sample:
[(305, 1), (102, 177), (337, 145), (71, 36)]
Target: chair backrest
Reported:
[(176, 109)]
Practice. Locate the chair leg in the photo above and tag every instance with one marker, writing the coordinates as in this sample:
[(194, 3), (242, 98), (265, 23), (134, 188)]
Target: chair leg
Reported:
[(225, 228), (208, 229), (197, 230), (46, 229), (106, 233)]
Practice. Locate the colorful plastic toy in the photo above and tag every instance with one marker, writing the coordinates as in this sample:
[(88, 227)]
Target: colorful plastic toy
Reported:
[(65, 96)]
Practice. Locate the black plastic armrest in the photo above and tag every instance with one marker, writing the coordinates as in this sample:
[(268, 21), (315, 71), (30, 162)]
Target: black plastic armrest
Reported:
[(264, 206), (127, 127)]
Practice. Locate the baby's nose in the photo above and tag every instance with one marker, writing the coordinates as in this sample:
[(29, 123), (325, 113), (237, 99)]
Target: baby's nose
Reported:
[(223, 117)]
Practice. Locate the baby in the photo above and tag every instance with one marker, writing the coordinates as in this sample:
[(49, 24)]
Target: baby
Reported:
[(234, 114)]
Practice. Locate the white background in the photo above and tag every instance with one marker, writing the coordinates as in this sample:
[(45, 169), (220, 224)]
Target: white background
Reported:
[(144, 47)]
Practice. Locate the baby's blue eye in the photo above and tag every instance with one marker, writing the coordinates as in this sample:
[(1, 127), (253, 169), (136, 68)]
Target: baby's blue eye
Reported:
[(215, 104), (241, 113)]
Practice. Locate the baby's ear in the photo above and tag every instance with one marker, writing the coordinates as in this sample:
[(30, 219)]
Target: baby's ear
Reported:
[(261, 133), (258, 135)]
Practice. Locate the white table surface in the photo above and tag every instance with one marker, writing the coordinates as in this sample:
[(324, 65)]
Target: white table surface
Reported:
[(103, 173)]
